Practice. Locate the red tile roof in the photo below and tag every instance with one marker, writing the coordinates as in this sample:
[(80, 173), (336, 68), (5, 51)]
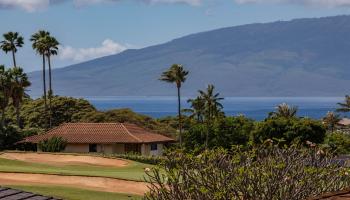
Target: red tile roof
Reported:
[(101, 133), (344, 122)]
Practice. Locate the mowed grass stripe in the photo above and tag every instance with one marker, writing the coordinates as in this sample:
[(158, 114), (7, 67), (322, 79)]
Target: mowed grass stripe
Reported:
[(134, 171), (69, 193)]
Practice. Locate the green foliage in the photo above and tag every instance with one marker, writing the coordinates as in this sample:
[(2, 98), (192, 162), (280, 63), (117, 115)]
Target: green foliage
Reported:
[(153, 160), (69, 109), (224, 133), (265, 173), (64, 110), (289, 130), (9, 135), (339, 142), (54, 144)]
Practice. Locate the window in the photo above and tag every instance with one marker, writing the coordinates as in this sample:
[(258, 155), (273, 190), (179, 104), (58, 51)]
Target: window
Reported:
[(153, 147), (92, 147)]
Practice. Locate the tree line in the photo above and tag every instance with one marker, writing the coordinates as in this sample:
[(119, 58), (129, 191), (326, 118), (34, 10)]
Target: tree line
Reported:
[(14, 82), (205, 125)]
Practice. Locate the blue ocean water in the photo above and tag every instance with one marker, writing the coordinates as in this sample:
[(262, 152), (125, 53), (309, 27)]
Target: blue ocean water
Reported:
[(254, 107)]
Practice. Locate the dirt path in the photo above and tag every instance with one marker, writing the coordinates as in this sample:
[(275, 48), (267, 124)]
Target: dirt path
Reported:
[(91, 183), (57, 159)]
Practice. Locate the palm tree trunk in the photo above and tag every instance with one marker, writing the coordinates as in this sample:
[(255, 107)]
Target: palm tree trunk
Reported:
[(14, 58), (179, 114), (50, 92), (18, 116), (208, 127), (44, 85)]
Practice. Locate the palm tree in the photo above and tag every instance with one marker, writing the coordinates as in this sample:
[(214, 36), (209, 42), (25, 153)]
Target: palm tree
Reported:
[(52, 49), (176, 74), (213, 107), (20, 83), (197, 108), (40, 46), (284, 110), (345, 106), (6, 89), (11, 42), (331, 120)]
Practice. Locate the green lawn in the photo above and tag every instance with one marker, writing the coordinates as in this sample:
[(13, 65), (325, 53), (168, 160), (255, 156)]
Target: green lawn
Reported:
[(68, 193), (135, 171)]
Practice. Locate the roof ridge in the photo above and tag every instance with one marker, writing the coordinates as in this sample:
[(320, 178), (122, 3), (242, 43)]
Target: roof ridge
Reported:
[(131, 133), (92, 123)]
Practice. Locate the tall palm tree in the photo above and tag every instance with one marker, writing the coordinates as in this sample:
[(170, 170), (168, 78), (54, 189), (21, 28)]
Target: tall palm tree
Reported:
[(176, 74), (6, 89), (40, 46), (12, 40), (331, 120), (345, 106), (20, 83), (284, 110), (213, 107), (52, 49)]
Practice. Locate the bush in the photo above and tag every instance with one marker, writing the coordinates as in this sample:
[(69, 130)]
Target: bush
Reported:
[(54, 144), (289, 130), (8, 137), (338, 142), (153, 160), (225, 132), (267, 173)]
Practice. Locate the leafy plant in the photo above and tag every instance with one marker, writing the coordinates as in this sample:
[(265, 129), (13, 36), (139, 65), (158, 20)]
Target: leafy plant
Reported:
[(339, 142), (264, 173), (54, 144)]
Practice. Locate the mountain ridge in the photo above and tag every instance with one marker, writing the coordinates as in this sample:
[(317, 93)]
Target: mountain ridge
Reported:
[(301, 57)]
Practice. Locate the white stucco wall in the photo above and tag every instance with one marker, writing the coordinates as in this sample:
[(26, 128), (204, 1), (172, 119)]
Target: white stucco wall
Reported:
[(146, 150), (113, 148)]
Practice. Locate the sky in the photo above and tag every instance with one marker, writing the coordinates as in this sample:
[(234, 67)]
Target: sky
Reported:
[(88, 29)]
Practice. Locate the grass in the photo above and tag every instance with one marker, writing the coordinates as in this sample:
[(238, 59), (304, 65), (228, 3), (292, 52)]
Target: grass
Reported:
[(134, 171), (69, 193)]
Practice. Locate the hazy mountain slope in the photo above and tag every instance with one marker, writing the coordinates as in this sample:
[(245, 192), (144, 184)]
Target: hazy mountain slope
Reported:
[(305, 57)]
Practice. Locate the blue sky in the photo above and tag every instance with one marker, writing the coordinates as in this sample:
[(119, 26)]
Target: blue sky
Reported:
[(92, 28)]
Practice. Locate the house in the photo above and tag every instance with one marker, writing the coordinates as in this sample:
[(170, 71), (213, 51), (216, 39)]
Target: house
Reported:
[(109, 138), (345, 122)]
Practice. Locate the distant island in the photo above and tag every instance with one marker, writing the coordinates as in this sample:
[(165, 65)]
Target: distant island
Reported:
[(303, 57)]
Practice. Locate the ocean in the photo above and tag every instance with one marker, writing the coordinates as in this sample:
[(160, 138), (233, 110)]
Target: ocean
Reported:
[(253, 107)]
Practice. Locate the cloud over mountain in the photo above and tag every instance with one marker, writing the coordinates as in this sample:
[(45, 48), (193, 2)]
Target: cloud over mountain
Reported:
[(108, 47)]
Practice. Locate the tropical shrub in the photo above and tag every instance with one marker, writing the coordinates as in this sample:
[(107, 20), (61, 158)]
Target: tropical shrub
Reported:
[(289, 130), (338, 142), (9, 135), (54, 144), (224, 132), (153, 160), (266, 173), (64, 110)]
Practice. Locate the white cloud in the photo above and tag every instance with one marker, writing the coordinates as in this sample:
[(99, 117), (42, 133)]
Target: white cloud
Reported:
[(190, 2), (80, 3), (27, 5), (34, 5), (108, 47), (323, 3)]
